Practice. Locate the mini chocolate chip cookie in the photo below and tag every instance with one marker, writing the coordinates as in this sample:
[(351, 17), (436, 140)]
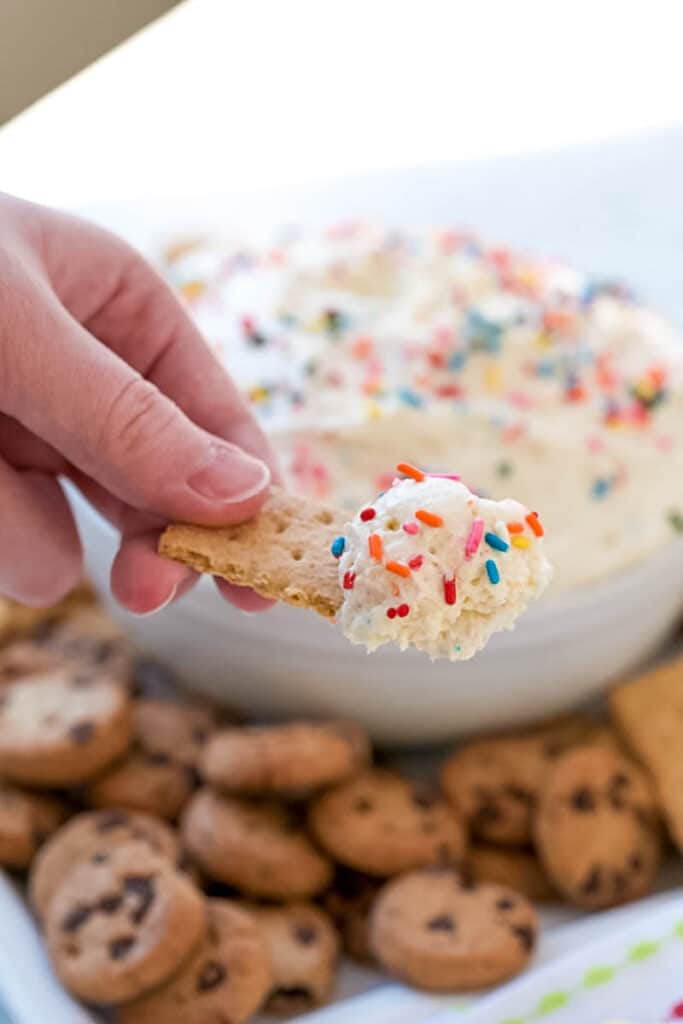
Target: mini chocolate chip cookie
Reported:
[(255, 846), (118, 928), (92, 836), (435, 932), (62, 727), (519, 869), (26, 820), (381, 824), (303, 946), (178, 731), (151, 783), (285, 758), (89, 636), (25, 658), (349, 901), (495, 782), (159, 774), (225, 980), (597, 829)]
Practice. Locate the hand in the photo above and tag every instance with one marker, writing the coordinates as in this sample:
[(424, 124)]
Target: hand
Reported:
[(105, 380)]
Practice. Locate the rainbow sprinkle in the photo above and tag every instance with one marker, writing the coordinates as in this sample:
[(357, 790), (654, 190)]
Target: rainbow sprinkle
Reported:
[(412, 471), (521, 542), (338, 545), (367, 514), (492, 571), (474, 539), (449, 590), (398, 568), (349, 580), (411, 528), (375, 546), (496, 542), (535, 524), (428, 518)]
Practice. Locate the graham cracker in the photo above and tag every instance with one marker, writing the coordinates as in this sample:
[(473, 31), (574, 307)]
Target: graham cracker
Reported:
[(649, 712), (283, 553)]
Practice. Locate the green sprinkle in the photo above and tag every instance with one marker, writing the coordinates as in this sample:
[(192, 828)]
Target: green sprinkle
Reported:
[(553, 1001), (643, 950), (675, 518), (598, 976), (513, 1020), (504, 469), (678, 929)]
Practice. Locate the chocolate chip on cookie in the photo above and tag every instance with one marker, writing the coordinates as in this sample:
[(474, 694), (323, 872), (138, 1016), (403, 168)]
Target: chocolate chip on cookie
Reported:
[(303, 946), (430, 930), (597, 828), (495, 782), (26, 820), (224, 981), (92, 836), (505, 865), (89, 636), (255, 846), (285, 758), (118, 928), (349, 901), (381, 824), (62, 726)]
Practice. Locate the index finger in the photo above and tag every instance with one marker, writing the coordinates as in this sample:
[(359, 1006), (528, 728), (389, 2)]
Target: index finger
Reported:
[(113, 292)]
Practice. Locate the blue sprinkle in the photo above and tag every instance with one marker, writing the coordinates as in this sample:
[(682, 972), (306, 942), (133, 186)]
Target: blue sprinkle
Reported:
[(601, 488), (456, 361), (494, 541), (409, 397), (338, 545), (492, 571), (545, 368)]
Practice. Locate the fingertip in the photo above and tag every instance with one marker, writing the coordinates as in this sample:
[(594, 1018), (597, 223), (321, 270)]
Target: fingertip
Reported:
[(144, 582), (243, 597)]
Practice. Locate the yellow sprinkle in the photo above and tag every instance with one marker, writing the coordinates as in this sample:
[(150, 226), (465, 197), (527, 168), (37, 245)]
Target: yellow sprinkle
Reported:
[(520, 542), (493, 378), (373, 411), (192, 289), (392, 524), (544, 340), (257, 394)]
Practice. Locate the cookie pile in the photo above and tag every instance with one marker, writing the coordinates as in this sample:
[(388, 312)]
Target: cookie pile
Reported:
[(189, 869)]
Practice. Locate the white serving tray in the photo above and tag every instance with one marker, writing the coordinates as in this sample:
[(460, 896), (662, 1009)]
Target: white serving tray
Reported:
[(32, 995)]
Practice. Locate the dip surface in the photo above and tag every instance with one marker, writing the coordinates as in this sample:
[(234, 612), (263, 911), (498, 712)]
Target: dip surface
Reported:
[(362, 346)]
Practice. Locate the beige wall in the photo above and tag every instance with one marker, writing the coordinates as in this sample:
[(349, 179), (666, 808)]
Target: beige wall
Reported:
[(44, 42)]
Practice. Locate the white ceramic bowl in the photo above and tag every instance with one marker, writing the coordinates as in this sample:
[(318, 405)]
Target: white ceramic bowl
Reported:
[(289, 662)]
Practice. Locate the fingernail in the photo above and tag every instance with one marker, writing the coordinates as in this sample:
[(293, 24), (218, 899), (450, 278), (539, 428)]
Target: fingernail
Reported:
[(159, 607), (230, 475)]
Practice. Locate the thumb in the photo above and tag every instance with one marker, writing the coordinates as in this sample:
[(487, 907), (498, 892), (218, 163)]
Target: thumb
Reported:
[(120, 430)]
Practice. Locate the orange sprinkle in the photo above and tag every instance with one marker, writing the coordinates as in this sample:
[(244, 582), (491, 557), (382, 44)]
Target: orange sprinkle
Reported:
[(375, 546), (515, 527), (411, 471), (535, 524), (428, 518), (398, 568), (520, 542)]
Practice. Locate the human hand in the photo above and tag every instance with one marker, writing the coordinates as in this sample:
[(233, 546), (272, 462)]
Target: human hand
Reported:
[(105, 380)]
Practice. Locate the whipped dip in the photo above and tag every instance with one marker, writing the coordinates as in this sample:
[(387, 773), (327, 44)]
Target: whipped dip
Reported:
[(361, 346), (429, 564)]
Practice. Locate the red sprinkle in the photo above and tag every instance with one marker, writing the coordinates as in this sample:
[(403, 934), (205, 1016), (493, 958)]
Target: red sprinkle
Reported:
[(449, 590), (535, 524), (403, 610), (391, 613), (412, 471), (367, 514), (349, 580), (416, 562)]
